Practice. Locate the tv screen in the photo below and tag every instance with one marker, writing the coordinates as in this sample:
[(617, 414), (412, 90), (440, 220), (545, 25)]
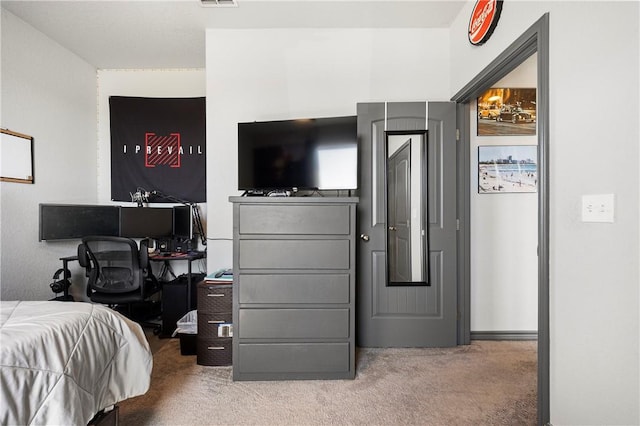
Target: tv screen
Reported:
[(146, 222), (320, 153), (74, 221)]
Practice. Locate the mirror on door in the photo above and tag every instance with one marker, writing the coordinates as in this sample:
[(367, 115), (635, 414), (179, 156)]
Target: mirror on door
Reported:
[(407, 230)]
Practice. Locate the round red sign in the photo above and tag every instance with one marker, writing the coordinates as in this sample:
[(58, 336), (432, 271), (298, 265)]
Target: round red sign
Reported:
[(484, 18)]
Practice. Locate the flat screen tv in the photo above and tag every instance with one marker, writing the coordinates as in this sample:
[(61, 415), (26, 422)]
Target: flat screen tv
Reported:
[(319, 153), (74, 221), (146, 222)]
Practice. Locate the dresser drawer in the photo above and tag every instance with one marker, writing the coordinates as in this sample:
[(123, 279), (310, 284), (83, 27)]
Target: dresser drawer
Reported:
[(294, 219), (293, 358), (294, 254), (294, 288), (215, 325), (214, 298), (294, 323), (215, 351)]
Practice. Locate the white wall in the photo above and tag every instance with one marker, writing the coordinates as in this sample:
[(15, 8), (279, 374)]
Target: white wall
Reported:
[(295, 73), (594, 50), (50, 94), (1, 121), (504, 237)]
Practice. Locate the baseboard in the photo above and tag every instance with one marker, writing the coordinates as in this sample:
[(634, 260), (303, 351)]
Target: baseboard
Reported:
[(504, 335)]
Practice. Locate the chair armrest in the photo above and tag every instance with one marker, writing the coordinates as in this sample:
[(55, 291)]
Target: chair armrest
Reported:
[(143, 254), (82, 255)]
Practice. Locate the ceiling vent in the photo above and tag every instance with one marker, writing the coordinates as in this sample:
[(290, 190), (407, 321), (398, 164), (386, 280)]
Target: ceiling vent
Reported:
[(219, 3)]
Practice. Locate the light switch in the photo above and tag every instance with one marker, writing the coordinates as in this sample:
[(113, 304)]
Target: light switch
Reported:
[(598, 208)]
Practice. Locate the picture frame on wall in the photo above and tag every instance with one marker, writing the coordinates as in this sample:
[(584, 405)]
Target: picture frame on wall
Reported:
[(16, 157), (507, 168), (507, 112)]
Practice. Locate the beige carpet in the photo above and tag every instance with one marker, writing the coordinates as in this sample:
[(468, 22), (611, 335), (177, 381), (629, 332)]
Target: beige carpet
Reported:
[(485, 383)]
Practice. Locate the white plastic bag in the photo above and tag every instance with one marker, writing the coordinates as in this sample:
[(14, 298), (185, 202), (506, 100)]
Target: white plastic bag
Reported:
[(188, 324)]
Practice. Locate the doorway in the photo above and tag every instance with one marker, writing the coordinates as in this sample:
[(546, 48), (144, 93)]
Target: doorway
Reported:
[(534, 40), (504, 223)]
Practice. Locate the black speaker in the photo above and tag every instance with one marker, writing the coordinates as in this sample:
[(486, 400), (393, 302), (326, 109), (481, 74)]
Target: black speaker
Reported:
[(61, 285), (183, 246), (166, 246)]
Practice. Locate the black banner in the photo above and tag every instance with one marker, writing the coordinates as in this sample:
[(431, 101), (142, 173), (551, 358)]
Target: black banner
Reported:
[(158, 144)]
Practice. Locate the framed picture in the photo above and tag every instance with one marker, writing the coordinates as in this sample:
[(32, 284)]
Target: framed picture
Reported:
[(16, 157), (507, 168), (507, 112)]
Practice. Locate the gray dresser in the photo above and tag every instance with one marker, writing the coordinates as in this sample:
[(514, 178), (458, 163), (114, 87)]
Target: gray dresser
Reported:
[(294, 295)]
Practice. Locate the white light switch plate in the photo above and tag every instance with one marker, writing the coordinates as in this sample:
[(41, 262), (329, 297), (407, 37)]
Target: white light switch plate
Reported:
[(598, 208)]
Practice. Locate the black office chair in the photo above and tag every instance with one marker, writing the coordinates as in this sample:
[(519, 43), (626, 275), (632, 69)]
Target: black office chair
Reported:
[(119, 274)]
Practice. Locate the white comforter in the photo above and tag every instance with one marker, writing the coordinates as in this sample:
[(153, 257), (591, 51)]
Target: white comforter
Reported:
[(62, 362)]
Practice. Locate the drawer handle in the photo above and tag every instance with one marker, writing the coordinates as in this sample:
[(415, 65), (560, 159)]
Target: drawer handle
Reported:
[(215, 295), (216, 348), (215, 322)]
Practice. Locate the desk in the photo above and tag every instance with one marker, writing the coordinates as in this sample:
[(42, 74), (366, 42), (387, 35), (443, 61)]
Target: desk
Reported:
[(166, 258), (175, 289)]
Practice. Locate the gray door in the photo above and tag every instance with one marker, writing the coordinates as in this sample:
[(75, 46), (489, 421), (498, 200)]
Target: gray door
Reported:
[(399, 213), (411, 315)]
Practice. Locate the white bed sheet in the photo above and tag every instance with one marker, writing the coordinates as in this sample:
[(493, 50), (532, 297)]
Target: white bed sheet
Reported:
[(62, 362)]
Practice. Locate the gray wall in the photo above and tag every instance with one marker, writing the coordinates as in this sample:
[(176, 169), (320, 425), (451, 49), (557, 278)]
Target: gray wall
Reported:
[(50, 94)]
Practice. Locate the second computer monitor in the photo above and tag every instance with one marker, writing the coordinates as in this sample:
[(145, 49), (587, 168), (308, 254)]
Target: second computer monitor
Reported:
[(183, 222), (146, 222)]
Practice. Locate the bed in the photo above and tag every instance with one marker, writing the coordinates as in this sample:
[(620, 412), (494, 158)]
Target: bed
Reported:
[(63, 362)]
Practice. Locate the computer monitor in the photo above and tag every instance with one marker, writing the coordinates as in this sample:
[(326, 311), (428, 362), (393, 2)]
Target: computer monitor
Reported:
[(183, 222), (146, 222), (74, 221)]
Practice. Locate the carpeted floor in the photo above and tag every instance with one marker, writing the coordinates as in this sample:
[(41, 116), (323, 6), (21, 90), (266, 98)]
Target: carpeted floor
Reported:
[(485, 383)]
